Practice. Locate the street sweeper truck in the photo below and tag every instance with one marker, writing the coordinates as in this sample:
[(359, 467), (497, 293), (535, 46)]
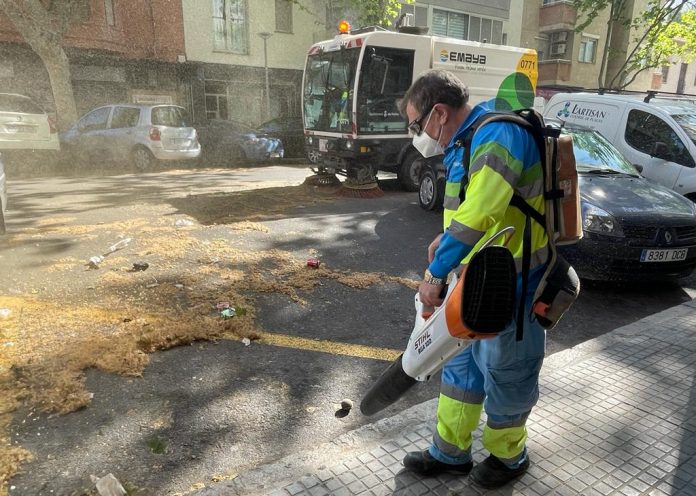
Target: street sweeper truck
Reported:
[(352, 85)]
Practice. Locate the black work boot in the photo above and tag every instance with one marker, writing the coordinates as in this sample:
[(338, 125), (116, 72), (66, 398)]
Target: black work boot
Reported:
[(421, 462), (492, 473)]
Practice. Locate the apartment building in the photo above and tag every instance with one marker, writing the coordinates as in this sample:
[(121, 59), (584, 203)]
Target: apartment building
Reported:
[(572, 59), (491, 21), (118, 50), (233, 45)]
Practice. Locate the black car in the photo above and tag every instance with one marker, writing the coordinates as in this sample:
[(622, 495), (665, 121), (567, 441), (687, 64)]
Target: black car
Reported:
[(290, 131), (226, 142), (633, 228)]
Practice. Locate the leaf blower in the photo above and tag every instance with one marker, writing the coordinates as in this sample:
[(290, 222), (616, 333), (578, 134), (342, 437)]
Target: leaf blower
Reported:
[(479, 304)]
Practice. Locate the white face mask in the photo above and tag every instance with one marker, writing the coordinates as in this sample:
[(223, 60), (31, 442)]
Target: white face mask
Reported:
[(427, 146)]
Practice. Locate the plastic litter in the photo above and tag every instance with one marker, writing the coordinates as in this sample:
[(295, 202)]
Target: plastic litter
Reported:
[(179, 286), (109, 486), (93, 262), (183, 223), (228, 313), (118, 246), (4, 313), (222, 305), (246, 341), (313, 262)]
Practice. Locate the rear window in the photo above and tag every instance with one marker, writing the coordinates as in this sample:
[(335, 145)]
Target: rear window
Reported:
[(170, 116), (16, 103)]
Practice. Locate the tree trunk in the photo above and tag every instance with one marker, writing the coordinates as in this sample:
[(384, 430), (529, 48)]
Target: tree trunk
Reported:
[(35, 25), (58, 68)]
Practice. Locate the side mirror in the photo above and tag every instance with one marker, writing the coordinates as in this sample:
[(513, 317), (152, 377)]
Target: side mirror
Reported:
[(660, 150), (639, 168)]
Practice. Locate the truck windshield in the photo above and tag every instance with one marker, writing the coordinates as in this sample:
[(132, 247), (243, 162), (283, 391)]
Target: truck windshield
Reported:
[(688, 124), (385, 75), (328, 90)]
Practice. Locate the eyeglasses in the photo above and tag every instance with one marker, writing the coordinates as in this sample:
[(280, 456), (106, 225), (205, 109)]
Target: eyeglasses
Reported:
[(415, 126)]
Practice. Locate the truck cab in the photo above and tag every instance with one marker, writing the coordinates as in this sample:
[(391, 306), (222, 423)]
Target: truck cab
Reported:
[(352, 85)]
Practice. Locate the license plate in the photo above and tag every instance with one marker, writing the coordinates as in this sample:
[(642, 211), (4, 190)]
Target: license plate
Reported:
[(672, 255), (18, 128), (322, 145)]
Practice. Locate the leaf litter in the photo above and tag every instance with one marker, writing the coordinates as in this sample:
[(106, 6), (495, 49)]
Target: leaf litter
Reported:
[(115, 328)]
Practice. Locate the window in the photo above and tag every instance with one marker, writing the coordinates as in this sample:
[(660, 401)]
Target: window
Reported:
[(125, 117), (169, 116), (216, 100), (588, 50), (551, 2), (665, 73), (451, 24), (283, 16), (109, 11), (466, 27), (649, 134), (230, 26), (95, 120)]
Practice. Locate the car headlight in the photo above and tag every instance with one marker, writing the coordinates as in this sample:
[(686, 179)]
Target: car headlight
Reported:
[(349, 145), (597, 220)]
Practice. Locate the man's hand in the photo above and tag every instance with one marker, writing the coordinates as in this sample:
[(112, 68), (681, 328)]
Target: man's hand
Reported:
[(430, 294), (433, 246)]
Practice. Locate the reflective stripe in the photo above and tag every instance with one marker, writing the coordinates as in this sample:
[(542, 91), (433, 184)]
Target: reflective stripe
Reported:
[(511, 423), (465, 234), (458, 394), (497, 164), (451, 202), (455, 423), (493, 148), (506, 444), (538, 258), (531, 190)]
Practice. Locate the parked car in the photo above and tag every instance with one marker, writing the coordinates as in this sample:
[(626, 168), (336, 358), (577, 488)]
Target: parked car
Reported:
[(290, 131), (230, 142), (658, 133), (3, 196), (633, 228), (24, 125), (144, 134)]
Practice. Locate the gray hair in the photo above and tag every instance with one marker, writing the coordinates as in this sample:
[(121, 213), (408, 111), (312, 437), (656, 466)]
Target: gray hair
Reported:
[(432, 87)]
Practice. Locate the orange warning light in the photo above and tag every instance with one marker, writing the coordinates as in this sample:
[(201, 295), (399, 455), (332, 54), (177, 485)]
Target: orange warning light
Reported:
[(344, 27)]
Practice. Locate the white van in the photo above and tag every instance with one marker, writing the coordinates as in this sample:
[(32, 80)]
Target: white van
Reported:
[(658, 135)]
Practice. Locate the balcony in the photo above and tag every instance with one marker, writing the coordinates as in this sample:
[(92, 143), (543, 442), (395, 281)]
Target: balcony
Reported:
[(557, 16), (555, 71)]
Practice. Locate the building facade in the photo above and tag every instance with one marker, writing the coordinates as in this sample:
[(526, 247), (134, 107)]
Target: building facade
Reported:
[(232, 46), (118, 50)]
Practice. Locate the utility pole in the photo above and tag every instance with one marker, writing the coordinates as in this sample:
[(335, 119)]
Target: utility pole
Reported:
[(265, 36)]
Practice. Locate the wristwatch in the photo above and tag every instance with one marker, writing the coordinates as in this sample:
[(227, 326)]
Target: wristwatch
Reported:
[(431, 279)]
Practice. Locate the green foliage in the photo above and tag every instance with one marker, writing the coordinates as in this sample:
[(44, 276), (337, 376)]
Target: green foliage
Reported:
[(377, 12), (663, 32)]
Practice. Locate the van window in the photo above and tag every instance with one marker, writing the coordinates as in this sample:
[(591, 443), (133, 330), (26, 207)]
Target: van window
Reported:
[(688, 124), (644, 130)]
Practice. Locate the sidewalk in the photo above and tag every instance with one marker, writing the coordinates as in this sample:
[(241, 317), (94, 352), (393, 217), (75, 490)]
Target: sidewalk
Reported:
[(616, 416)]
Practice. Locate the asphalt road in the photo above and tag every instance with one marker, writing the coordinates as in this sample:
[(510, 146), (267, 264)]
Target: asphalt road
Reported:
[(228, 407)]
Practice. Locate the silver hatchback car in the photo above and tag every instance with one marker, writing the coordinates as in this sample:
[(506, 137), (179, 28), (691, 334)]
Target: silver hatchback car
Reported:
[(142, 133)]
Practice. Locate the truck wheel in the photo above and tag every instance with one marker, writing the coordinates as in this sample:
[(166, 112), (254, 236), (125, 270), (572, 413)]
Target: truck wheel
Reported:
[(410, 170), (431, 190)]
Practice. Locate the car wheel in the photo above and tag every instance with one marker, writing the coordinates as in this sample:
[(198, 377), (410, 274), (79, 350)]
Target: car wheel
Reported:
[(431, 190), (143, 159), (313, 156), (410, 171)]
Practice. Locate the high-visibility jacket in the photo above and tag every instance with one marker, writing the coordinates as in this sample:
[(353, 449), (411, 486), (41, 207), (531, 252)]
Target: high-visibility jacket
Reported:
[(504, 160)]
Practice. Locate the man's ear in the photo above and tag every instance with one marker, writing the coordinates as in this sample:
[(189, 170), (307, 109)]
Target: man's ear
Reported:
[(442, 113)]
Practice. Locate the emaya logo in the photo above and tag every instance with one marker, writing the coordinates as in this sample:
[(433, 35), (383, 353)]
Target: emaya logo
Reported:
[(565, 111), (444, 55)]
